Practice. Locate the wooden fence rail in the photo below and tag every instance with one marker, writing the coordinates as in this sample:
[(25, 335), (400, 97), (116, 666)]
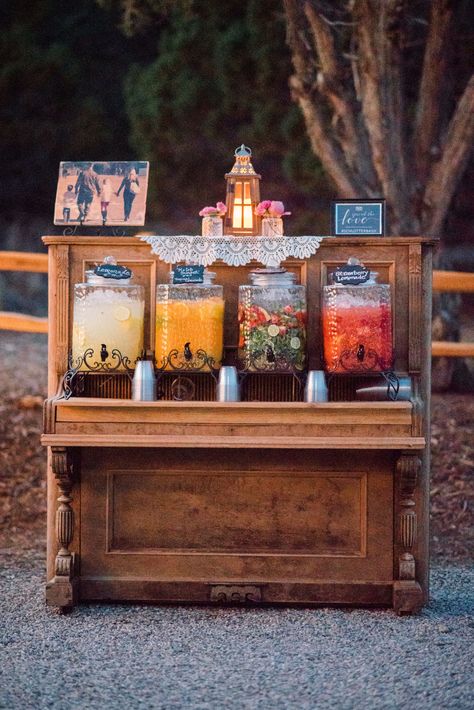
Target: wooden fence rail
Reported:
[(23, 261), (452, 282), (443, 281)]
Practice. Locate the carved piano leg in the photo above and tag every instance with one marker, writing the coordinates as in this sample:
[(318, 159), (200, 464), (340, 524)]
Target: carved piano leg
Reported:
[(61, 591), (407, 593)]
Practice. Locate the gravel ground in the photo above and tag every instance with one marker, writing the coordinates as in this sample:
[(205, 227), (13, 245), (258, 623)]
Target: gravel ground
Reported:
[(123, 656)]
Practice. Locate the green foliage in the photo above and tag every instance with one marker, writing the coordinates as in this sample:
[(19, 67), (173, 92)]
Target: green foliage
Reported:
[(201, 78), (60, 80), (220, 78)]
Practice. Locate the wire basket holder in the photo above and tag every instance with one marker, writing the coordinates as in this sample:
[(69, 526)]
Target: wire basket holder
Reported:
[(88, 362), (368, 363), (271, 364), (182, 365), (198, 361), (115, 363), (300, 377)]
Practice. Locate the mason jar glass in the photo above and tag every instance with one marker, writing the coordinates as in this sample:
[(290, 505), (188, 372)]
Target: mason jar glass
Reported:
[(272, 322), (212, 226), (272, 227), (189, 325), (357, 327), (108, 316)]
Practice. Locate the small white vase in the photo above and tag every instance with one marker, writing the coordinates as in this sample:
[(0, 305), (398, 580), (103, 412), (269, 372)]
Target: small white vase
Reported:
[(212, 226), (272, 227)]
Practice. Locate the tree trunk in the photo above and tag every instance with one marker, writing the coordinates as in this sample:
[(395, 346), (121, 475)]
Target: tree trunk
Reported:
[(349, 63), (348, 81)]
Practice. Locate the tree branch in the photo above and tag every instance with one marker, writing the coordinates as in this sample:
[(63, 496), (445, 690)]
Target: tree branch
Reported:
[(427, 122), (294, 38), (446, 174), (323, 145), (304, 92), (353, 139), (380, 65), (324, 43)]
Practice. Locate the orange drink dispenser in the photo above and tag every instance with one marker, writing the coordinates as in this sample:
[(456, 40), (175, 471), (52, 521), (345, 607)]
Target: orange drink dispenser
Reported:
[(189, 324), (357, 321), (108, 317)]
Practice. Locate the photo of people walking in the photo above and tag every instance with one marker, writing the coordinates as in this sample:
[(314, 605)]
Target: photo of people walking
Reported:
[(69, 200), (105, 197), (101, 193), (131, 188), (87, 184)]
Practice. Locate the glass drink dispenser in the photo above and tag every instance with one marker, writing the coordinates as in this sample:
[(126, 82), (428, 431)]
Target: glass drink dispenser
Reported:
[(357, 322), (108, 316), (189, 324), (272, 322)]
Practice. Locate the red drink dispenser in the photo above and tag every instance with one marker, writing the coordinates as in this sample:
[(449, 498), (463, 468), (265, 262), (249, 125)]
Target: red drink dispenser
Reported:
[(357, 322)]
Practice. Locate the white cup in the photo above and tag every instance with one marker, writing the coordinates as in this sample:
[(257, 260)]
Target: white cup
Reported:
[(316, 389)]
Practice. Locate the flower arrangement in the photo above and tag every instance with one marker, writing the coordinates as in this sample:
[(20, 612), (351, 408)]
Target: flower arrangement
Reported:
[(218, 211), (212, 225), (271, 208)]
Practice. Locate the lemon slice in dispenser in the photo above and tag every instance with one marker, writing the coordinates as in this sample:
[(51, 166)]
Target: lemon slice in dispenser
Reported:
[(273, 330), (121, 313)]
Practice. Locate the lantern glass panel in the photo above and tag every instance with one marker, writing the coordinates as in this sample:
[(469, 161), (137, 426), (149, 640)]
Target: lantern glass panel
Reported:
[(237, 216), (248, 217)]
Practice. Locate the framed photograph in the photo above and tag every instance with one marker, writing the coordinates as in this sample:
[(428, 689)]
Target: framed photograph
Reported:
[(356, 218), (101, 193)]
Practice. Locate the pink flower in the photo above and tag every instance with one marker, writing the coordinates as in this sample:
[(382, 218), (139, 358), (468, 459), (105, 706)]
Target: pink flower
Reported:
[(271, 208), (262, 208), (206, 211), (218, 211), (277, 209)]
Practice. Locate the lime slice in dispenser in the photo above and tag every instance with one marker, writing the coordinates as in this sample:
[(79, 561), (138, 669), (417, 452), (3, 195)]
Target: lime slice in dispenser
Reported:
[(295, 343), (273, 330), (121, 313)]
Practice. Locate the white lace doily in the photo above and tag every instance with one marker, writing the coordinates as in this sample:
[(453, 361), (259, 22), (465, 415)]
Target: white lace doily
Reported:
[(233, 250)]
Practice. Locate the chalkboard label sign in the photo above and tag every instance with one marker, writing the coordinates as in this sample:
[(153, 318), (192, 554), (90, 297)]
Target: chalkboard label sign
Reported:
[(351, 275), (188, 274), (113, 271), (354, 218)]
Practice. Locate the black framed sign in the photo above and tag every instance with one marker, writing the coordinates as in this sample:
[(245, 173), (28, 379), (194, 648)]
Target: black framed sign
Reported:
[(358, 218), (188, 274)]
